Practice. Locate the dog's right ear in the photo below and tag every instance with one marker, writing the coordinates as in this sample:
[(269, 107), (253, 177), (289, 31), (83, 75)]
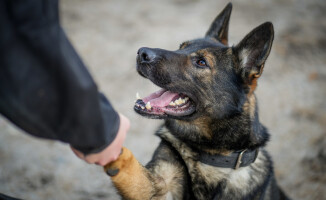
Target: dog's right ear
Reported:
[(253, 51), (220, 27)]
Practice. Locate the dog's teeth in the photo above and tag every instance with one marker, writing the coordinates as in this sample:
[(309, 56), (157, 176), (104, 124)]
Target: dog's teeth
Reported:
[(176, 102), (142, 107), (179, 101), (137, 96), (148, 106)]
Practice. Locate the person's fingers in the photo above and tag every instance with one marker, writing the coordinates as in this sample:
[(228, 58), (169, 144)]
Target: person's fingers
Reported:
[(93, 158), (103, 162), (101, 158)]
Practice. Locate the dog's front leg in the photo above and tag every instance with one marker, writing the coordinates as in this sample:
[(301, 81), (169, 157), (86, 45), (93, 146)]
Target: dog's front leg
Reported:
[(133, 181)]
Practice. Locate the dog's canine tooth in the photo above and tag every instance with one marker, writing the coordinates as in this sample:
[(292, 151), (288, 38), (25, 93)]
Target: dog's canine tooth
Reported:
[(142, 107), (148, 106), (187, 98), (137, 96)]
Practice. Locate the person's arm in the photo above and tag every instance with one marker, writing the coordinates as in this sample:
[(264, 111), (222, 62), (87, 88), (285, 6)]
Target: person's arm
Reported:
[(45, 89)]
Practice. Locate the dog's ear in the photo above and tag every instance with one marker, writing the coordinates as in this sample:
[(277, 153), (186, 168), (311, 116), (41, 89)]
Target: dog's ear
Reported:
[(220, 27), (253, 51)]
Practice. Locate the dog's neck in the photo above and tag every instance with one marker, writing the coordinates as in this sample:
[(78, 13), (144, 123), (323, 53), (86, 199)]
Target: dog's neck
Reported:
[(238, 132)]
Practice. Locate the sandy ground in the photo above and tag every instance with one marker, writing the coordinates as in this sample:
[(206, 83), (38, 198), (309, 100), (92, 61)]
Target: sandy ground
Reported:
[(107, 34)]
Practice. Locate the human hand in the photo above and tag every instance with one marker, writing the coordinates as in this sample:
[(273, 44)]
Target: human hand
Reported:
[(111, 152)]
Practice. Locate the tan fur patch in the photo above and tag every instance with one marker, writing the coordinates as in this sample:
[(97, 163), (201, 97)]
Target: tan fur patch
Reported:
[(250, 105), (211, 174), (201, 124), (224, 41), (133, 180), (252, 86), (172, 176), (253, 77)]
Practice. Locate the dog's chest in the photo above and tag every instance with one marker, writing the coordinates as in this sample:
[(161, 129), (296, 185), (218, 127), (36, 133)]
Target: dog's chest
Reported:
[(209, 182), (205, 178)]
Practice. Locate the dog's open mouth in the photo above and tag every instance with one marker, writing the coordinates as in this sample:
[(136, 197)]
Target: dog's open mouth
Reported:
[(165, 103)]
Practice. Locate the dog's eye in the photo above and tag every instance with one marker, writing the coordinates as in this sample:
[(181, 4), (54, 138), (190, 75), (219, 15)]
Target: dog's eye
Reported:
[(201, 63)]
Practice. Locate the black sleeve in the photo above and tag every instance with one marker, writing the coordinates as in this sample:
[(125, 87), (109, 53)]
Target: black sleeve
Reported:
[(45, 89)]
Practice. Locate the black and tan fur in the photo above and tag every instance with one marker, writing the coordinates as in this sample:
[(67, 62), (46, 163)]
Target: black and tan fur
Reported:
[(226, 120)]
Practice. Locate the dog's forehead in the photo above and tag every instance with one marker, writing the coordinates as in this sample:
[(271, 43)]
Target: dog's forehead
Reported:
[(198, 44)]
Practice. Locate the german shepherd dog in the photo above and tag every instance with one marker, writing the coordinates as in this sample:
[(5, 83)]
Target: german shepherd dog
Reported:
[(212, 143)]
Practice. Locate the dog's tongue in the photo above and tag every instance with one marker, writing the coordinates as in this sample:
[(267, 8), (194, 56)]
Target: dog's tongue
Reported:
[(160, 98)]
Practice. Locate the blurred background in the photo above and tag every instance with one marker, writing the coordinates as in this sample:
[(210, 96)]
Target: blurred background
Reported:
[(107, 35)]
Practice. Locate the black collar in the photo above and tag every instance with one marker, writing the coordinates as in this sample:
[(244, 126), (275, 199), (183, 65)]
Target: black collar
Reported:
[(234, 160)]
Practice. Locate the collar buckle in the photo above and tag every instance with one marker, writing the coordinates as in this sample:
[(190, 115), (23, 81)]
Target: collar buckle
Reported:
[(239, 160)]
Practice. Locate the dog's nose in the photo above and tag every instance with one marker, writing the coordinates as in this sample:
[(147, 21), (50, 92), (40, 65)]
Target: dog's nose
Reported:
[(146, 55)]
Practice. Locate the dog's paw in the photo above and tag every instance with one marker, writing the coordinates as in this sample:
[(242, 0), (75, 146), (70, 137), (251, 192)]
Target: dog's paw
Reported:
[(113, 168)]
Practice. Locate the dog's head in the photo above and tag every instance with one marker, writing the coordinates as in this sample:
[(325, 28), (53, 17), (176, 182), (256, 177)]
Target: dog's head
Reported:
[(204, 77)]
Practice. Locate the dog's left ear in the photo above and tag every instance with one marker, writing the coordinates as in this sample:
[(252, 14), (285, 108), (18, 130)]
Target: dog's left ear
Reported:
[(220, 27), (253, 51)]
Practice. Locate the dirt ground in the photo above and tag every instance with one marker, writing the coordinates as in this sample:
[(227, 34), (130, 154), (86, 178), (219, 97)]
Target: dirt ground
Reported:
[(107, 34)]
